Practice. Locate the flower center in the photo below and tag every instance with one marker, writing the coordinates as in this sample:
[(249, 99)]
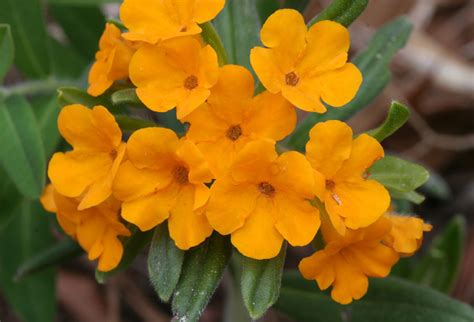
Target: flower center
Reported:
[(181, 175), (234, 132), (330, 184), (292, 79), (266, 188), (191, 82), (183, 29), (113, 154)]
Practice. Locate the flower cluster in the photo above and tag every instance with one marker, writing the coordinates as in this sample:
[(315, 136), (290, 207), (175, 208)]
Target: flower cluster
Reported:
[(225, 174)]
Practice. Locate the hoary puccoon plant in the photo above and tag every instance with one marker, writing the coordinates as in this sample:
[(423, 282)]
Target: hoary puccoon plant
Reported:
[(219, 150)]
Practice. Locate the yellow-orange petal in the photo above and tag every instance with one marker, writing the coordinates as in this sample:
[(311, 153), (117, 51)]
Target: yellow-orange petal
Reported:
[(374, 259), (201, 195), (287, 42), (329, 146), (350, 283), (254, 162), (47, 199), (205, 125), (271, 117), (305, 95), (191, 102), (359, 202), (230, 204), (266, 67), (205, 10), (153, 148), (98, 80), (199, 171), (112, 252), (294, 175), (232, 94), (90, 232), (318, 267), (258, 237), (328, 44), (295, 219), (132, 183), (148, 212), (89, 129), (73, 172), (339, 87), (365, 151), (406, 233), (188, 228)]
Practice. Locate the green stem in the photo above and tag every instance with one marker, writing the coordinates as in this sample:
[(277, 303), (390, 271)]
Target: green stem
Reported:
[(210, 36), (42, 86)]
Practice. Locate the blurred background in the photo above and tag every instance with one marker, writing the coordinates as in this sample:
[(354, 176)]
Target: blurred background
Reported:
[(433, 74)]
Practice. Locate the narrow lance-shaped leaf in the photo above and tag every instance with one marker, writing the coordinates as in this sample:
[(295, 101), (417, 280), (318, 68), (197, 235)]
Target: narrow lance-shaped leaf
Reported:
[(32, 299), (72, 95), (165, 261), (398, 174), (388, 300), (411, 196), (239, 25), (48, 257), (210, 36), (261, 280), (202, 271), (132, 247), (374, 65), (29, 35), (439, 268), (7, 50), (397, 116), (342, 11), (22, 153)]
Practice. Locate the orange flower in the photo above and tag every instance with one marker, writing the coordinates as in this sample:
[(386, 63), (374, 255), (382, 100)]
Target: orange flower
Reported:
[(177, 73), (97, 228), (154, 20), (232, 117), (306, 66), (406, 234), (350, 199), (264, 200), (112, 61), (347, 261), (87, 171), (165, 178)]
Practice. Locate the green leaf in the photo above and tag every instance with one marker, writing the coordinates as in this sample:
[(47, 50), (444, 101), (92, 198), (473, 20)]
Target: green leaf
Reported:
[(48, 257), (238, 25), (7, 50), (261, 280), (210, 36), (165, 261), (84, 3), (342, 11), (388, 300), (397, 116), (132, 247), (22, 154), (47, 111), (266, 7), (66, 62), (33, 299), (398, 175), (439, 268), (411, 196), (82, 25), (130, 124), (202, 271), (9, 200), (73, 95), (29, 35), (299, 5), (126, 96), (374, 65)]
